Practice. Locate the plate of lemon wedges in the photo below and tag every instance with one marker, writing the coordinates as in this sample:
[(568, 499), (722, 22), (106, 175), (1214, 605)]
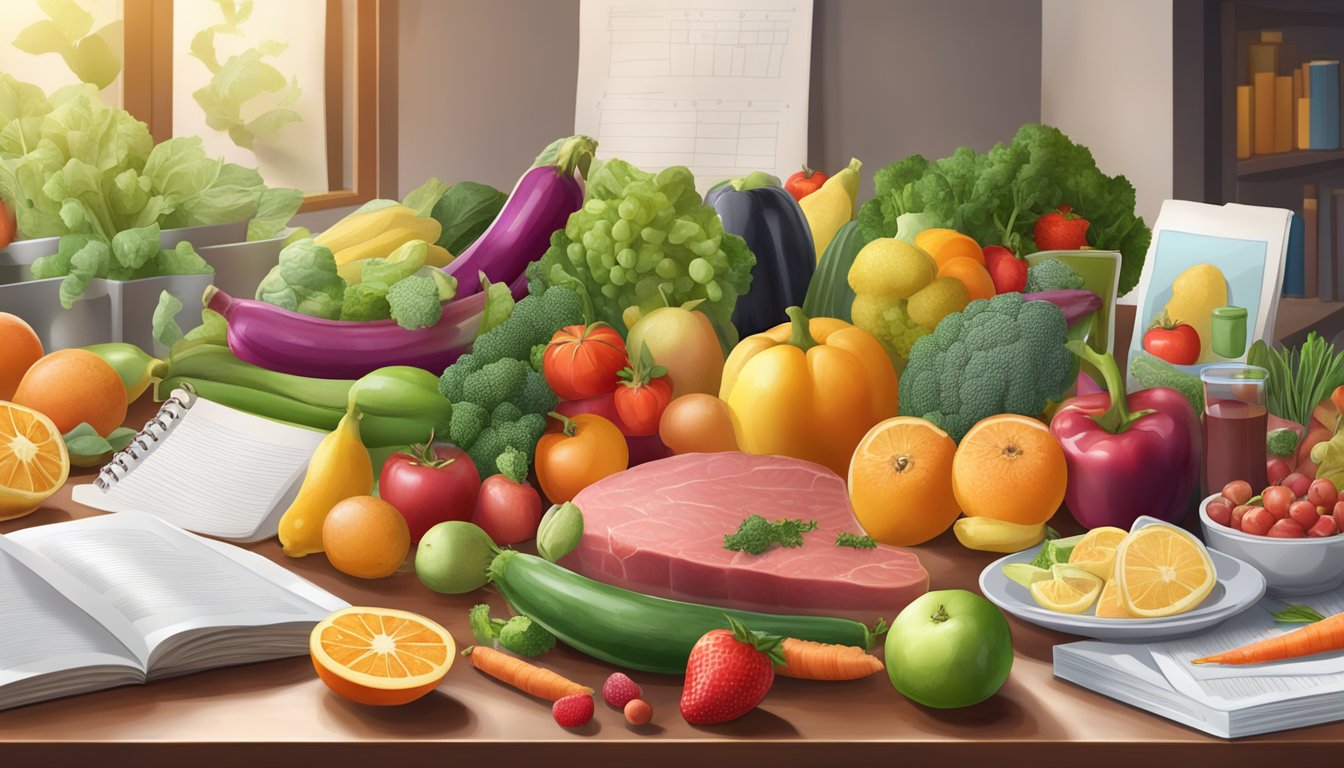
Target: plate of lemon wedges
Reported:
[(1153, 581)]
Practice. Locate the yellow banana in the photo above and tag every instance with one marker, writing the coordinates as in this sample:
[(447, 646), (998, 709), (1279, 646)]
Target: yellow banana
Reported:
[(989, 535), (339, 469), (834, 205), (361, 227), (437, 256)]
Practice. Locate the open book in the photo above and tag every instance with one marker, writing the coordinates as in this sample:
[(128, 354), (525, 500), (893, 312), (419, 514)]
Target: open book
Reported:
[(126, 598), (1227, 701)]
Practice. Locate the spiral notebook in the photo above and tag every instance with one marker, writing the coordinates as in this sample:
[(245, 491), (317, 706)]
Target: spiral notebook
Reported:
[(208, 468)]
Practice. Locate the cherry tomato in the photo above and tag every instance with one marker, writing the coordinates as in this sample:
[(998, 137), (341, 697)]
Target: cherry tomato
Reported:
[(586, 449), (805, 182), (583, 360)]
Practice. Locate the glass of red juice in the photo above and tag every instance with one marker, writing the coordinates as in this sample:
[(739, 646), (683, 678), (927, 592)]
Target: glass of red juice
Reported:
[(1235, 420)]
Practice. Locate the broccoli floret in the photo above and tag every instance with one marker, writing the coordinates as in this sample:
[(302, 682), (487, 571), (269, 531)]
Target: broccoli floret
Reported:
[(504, 413), (1150, 371), (533, 321), (365, 301), (466, 423), (485, 449), (525, 637), (482, 628), (538, 356), (1281, 442), (1004, 355), (495, 383), (455, 375), (513, 463), (1052, 275), (537, 396), (414, 302)]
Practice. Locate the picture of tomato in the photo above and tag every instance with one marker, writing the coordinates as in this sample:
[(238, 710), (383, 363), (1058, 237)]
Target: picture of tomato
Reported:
[(586, 449), (1177, 343), (583, 360), (804, 182), (429, 486), (644, 393)]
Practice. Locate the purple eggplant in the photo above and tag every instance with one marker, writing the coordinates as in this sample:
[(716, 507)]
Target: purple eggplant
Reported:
[(1075, 304), (291, 342), (539, 204)]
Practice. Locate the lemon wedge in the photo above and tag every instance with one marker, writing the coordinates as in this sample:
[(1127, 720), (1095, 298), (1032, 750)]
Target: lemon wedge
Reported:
[(1068, 590), (1162, 571)]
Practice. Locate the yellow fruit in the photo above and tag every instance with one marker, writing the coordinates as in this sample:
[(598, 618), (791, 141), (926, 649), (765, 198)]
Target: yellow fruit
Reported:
[(1109, 605), (366, 537), (1069, 590), (1096, 552), (947, 244), (1163, 571), (832, 206), (989, 535), (33, 460), (937, 300), (887, 268), (1195, 293), (340, 468), (1010, 468), (437, 256), (900, 481), (361, 227), (381, 656)]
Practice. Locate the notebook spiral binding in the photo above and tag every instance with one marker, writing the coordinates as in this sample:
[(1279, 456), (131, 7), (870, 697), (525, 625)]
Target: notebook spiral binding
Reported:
[(144, 441)]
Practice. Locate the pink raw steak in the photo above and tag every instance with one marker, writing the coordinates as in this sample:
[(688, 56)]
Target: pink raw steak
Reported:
[(658, 529)]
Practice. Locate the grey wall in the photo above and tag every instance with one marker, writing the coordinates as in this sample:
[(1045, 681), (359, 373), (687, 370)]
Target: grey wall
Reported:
[(484, 86)]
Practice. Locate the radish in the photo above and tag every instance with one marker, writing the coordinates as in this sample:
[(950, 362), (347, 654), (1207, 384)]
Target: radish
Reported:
[(508, 508)]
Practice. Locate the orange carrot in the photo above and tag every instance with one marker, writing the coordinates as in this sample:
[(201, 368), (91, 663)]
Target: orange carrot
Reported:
[(1323, 636), (824, 661), (528, 678)]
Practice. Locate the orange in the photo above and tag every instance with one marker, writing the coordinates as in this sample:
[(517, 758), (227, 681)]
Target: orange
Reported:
[(1010, 468), (366, 537), (1163, 570), (947, 244), (33, 460), (19, 349), (900, 481), (971, 274), (380, 656), (72, 386)]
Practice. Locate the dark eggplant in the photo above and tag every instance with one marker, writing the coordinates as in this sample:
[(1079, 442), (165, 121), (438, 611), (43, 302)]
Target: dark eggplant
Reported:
[(760, 211)]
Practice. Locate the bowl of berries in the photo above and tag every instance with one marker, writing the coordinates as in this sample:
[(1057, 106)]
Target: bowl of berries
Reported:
[(1292, 532)]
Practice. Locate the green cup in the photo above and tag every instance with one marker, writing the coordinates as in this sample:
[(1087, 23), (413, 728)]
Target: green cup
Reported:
[(1229, 332)]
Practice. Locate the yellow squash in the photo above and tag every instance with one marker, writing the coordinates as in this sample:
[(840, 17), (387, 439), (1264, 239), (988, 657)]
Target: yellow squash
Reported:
[(373, 234), (339, 469), (1195, 293), (831, 207), (810, 389)]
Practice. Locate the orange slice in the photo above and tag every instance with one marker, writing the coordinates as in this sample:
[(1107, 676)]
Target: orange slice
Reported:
[(33, 460), (381, 655), (1096, 552), (1109, 605), (1163, 571)]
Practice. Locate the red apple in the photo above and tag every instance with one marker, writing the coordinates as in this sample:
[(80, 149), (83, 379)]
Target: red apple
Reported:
[(430, 485)]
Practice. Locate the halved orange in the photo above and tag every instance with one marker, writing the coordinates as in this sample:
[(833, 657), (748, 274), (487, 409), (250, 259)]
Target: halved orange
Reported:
[(381, 656), (33, 461), (1163, 570)]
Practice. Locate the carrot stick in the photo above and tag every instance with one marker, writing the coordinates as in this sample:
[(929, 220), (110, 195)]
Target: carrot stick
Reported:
[(528, 678), (824, 661), (1323, 636)]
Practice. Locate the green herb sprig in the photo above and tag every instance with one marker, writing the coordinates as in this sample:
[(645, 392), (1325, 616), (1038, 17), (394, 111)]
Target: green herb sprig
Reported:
[(756, 534), (1299, 379), (847, 539)]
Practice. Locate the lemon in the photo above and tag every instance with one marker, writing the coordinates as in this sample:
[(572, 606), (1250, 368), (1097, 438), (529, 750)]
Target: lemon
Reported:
[(1109, 605), (1025, 573), (1162, 571), (1096, 552), (1069, 590)]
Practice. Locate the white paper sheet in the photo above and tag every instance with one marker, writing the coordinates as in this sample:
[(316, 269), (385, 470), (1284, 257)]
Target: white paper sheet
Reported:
[(720, 87)]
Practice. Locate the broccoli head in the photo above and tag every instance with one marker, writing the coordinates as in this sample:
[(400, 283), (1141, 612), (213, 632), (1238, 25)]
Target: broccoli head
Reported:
[(1003, 355), (538, 356), (525, 637), (466, 423), (414, 302), (1052, 275), (1281, 442), (533, 321), (495, 383)]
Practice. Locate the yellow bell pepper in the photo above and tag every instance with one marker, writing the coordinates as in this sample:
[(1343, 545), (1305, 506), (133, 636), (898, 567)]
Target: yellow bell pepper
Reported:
[(810, 389)]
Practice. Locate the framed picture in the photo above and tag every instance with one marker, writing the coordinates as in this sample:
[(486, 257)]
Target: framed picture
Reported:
[(304, 90)]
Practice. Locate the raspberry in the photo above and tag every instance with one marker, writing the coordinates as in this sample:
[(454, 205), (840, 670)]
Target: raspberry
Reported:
[(573, 711), (620, 690)]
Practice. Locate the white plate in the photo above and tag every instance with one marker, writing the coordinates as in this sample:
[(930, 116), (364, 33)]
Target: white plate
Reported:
[(1239, 587)]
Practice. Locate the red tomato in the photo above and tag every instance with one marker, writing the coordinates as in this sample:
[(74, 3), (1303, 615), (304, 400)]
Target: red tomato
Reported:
[(1177, 343), (1008, 273), (430, 488), (583, 360), (805, 182), (510, 512), (641, 405)]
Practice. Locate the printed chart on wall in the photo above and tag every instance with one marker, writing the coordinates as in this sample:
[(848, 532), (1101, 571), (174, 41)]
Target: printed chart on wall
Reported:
[(720, 87)]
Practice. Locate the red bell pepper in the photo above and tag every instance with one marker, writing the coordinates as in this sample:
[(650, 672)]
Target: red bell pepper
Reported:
[(1127, 454)]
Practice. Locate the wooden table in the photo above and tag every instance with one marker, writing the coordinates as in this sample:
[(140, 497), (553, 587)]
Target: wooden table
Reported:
[(278, 712)]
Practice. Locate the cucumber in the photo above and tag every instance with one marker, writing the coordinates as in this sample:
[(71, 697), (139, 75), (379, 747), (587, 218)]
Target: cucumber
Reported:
[(829, 294), (637, 631)]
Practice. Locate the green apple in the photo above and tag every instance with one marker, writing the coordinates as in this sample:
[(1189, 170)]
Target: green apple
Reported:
[(949, 649)]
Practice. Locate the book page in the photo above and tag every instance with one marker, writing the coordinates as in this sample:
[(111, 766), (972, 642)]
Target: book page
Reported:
[(721, 88), (165, 581), (219, 471)]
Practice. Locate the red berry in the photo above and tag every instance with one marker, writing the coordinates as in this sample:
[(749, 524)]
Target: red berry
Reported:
[(620, 690), (573, 711), (638, 712), (727, 675), (1287, 528), (1338, 514), (1277, 499), (1219, 512), (1277, 470), (1238, 513)]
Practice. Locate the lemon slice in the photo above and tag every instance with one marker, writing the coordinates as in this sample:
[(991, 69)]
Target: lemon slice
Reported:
[(1109, 605), (1069, 590), (1096, 552), (1025, 573), (1163, 571)]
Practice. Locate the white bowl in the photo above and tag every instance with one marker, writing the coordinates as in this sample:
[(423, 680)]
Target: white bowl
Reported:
[(1290, 566)]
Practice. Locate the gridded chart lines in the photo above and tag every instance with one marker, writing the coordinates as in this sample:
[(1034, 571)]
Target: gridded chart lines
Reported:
[(718, 42), (715, 137)]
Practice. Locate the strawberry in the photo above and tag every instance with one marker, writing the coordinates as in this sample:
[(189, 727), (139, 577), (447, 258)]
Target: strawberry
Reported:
[(620, 690), (573, 711), (1006, 271), (728, 673), (1061, 231)]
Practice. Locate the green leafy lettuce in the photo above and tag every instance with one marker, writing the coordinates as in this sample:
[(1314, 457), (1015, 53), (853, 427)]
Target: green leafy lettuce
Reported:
[(93, 56)]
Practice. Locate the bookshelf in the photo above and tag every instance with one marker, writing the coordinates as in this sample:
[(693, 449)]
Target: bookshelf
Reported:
[(1298, 161)]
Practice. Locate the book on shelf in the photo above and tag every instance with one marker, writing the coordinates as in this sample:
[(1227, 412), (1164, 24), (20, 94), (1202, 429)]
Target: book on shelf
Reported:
[(1262, 57), (1283, 113), (1326, 249), (1310, 264), (1303, 123), (1262, 130), (112, 600), (1245, 99), (1271, 36), (1323, 86), (1336, 202)]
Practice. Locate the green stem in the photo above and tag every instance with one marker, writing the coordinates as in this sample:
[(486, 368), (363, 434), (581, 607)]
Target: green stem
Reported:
[(754, 180), (570, 428), (940, 616), (1118, 417), (802, 335)]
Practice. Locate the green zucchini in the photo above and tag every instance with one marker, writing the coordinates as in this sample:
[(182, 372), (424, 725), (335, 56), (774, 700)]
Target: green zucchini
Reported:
[(637, 631), (829, 294)]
